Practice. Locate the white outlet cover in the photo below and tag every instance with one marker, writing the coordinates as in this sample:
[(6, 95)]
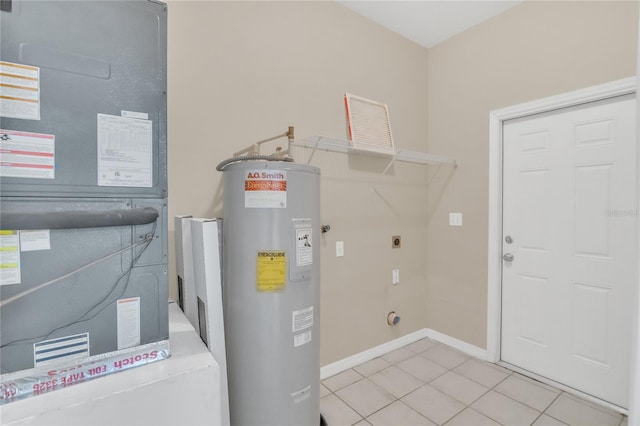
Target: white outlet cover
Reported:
[(455, 219), (395, 276), (339, 248)]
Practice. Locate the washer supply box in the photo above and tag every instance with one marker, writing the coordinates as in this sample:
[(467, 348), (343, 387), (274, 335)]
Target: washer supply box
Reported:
[(83, 191)]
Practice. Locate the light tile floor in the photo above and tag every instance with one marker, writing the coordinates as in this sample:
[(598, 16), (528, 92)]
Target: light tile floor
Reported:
[(427, 383)]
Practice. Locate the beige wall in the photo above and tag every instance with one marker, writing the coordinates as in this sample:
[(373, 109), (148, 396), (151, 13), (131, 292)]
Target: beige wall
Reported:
[(244, 71), (534, 50)]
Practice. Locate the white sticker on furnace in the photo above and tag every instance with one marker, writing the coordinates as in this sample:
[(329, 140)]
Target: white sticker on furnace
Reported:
[(27, 155), (35, 240), (125, 148), (128, 322), (19, 91), (302, 319), (265, 189), (9, 257), (63, 348)]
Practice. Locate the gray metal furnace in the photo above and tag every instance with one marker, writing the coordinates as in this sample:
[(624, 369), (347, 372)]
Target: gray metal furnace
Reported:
[(271, 293), (83, 186)]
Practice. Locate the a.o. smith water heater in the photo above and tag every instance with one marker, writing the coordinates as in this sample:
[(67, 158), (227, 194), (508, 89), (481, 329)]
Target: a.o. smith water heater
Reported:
[(271, 294)]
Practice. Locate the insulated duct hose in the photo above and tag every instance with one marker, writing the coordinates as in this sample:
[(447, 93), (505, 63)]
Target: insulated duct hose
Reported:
[(26, 220), (220, 167)]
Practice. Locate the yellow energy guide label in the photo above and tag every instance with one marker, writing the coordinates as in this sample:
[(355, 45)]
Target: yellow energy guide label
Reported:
[(271, 270)]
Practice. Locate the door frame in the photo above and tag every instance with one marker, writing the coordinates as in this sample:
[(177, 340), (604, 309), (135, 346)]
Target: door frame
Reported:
[(494, 276)]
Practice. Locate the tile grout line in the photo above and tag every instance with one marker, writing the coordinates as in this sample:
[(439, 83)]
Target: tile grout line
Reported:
[(560, 392), (592, 404), (540, 413), (545, 410), (471, 408), (444, 366), (488, 390), (424, 383), (340, 399), (509, 373), (452, 397), (475, 381), (356, 411), (398, 400), (526, 405)]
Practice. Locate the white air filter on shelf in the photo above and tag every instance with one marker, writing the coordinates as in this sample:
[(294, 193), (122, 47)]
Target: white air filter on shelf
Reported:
[(369, 125)]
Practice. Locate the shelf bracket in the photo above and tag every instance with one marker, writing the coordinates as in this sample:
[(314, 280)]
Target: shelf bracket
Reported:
[(386, 169), (313, 152)]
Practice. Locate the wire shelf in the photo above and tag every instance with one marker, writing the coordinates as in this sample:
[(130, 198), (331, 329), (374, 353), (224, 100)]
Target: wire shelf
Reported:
[(339, 145)]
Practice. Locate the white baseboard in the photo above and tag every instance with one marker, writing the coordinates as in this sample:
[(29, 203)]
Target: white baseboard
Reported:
[(460, 345), (364, 356)]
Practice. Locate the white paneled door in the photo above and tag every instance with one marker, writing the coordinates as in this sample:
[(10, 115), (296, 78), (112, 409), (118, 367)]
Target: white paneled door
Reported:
[(569, 246)]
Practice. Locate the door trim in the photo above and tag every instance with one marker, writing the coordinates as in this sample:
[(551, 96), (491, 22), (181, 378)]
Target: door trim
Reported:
[(496, 118)]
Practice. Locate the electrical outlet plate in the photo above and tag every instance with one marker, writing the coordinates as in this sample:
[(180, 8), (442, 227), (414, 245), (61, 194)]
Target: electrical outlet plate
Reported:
[(395, 276), (455, 219), (339, 248)]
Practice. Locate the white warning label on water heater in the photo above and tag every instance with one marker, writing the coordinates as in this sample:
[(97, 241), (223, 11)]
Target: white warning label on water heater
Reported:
[(302, 338), (304, 252), (265, 189), (302, 319)]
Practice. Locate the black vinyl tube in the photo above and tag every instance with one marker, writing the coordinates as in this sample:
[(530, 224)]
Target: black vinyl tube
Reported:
[(25, 220)]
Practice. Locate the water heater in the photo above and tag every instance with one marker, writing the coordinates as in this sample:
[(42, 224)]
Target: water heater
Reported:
[(271, 294)]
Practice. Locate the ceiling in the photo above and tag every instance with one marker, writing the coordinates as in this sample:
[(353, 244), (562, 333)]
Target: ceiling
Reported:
[(428, 22)]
